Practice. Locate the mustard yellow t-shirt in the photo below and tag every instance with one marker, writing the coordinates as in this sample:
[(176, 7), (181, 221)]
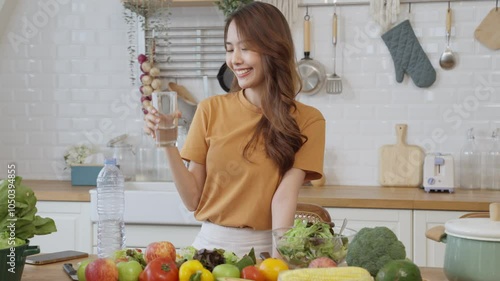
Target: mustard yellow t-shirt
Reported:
[(238, 192)]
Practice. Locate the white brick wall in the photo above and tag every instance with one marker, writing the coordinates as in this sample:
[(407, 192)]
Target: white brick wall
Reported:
[(69, 80)]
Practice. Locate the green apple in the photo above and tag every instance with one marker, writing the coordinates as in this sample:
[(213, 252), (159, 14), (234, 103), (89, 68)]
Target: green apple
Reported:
[(129, 270), (226, 270), (81, 270)]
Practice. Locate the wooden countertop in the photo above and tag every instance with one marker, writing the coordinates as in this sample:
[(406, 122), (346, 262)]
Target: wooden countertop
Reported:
[(379, 197), (55, 190), (54, 271), (329, 196)]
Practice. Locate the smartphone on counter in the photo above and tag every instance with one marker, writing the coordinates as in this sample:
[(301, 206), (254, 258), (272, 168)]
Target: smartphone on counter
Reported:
[(55, 257)]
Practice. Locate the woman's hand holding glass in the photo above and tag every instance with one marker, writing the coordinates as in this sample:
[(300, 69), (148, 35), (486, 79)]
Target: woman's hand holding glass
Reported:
[(152, 124)]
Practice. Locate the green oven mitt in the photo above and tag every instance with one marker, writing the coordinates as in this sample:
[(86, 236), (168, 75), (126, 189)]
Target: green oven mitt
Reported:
[(408, 55)]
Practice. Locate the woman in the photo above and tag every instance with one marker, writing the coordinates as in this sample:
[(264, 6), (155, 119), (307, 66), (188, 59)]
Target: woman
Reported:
[(250, 150)]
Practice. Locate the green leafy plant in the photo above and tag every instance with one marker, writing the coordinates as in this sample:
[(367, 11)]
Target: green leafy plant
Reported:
[(229, 6), (18, 219)]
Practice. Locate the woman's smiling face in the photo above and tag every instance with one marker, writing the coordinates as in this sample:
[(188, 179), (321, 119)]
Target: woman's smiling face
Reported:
[(244, 62)]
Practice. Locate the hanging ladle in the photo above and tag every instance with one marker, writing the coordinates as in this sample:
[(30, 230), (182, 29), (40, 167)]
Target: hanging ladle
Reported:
[(447, 60)]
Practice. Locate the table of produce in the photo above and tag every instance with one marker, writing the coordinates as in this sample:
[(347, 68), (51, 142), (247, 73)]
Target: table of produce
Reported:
[(308, 251)]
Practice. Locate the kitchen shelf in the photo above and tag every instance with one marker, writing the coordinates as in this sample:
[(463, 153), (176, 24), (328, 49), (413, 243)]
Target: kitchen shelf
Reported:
[(363, 3), (192, 3)]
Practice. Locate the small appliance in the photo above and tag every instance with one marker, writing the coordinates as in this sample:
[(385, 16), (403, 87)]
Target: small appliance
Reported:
[(439, 172)]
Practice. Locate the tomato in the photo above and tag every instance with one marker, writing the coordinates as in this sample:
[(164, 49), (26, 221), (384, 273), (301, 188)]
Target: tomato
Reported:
[(160, 269), (271, 267), (252, 272)]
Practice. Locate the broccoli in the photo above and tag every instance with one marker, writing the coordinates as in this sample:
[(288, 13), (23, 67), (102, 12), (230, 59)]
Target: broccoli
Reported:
[(372, 248)]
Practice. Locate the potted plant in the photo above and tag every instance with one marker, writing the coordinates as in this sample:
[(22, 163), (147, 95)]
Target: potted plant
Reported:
[(82, 173), (18, 223)]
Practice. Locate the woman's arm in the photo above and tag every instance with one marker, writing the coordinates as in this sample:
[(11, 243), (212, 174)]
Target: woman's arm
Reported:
[(189, 182), (284, 201)]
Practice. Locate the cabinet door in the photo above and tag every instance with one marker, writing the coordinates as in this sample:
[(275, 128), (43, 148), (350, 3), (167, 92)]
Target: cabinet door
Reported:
[(399, 221), (429, 252), (73, 227)]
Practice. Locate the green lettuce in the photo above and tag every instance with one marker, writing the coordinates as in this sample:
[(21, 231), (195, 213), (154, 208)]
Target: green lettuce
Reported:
[(306, 241), (18, 208)]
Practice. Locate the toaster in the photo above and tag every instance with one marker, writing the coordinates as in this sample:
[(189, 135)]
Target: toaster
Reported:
[(439, 172)]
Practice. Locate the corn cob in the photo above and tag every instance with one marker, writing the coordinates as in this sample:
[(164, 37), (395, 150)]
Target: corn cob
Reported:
[(348, 273)]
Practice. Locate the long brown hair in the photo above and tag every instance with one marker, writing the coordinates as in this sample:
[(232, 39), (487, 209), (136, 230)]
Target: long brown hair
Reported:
[(267, 32)]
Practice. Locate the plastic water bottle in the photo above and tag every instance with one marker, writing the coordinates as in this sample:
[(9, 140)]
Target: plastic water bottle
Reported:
[(110, 208)]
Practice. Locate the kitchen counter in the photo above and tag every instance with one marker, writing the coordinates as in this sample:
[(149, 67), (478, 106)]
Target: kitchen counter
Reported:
[(329, 196), (54, 271), (54, 190)]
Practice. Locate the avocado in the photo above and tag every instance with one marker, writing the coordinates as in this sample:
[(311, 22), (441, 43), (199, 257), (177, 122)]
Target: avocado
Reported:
[(401, 270)]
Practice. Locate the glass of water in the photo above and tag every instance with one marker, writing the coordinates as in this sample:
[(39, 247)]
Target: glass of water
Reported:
[(166, 104)]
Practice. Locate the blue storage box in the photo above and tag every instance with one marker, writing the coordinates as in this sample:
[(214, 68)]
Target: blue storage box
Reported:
[(85, 174)]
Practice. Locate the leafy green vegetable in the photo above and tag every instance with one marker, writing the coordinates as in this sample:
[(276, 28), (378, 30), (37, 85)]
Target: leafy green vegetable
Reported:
[(187, 253), (18, 213), (210, 258), (307, 241), (372, 248), (230, 257), (4, 241)]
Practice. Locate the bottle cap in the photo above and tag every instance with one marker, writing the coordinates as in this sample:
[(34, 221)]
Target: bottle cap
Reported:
[(110, 161)]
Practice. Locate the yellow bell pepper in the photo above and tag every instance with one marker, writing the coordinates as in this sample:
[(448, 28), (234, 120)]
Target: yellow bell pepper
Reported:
[(193, 270)]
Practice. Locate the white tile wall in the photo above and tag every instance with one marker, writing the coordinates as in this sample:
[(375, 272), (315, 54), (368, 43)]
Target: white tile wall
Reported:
[(67, 80)]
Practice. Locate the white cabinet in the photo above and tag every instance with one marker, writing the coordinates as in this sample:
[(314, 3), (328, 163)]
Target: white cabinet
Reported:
[(399, 221), (73, 226), (429, 252), (409, 225), (140, 235)]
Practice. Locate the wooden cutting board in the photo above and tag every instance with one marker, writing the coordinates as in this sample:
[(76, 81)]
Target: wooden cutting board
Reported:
[(183, 93), (488, 32), (401, 164)]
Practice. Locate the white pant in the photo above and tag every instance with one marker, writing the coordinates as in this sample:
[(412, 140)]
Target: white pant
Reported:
[(238, 240)]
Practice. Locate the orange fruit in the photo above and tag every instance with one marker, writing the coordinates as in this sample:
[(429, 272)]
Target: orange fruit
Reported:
[(271, 267)]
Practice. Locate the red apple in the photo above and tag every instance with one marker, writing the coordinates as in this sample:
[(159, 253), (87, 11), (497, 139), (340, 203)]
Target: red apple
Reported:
[(159, 249), (101, 269), (322, 262)]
